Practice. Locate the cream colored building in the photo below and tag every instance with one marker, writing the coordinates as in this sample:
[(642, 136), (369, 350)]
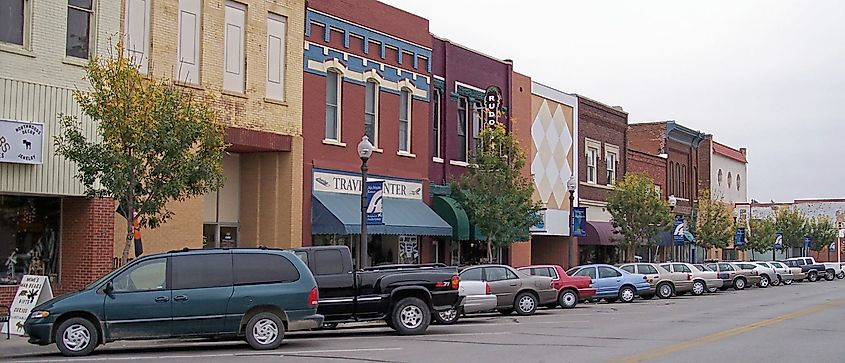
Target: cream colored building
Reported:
[(247, 57)]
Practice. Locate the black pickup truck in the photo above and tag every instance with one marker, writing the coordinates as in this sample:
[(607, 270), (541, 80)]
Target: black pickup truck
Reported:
[(404, 296), (814, 271)]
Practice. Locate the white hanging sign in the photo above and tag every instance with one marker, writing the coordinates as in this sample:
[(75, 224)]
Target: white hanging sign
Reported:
[(33, 290), (21, 142)]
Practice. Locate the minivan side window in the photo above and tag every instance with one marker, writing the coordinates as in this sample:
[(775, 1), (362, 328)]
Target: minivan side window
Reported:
[(145, 276), (473, 274), (201, 271), (328, 262), (263, 268)]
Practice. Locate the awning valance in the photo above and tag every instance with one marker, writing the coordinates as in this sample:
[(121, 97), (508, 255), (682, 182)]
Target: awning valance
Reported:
[(336, 213), (449, 209)]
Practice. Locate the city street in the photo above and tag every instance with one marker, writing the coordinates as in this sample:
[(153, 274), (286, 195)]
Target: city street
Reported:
[(782, 323)]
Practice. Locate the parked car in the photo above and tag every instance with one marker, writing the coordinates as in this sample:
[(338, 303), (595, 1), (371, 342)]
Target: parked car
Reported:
[(703, 280), (514, 290), (663, 283), (832, 269), (767, 274), (814, 271), (570, 289), (613, 283), (782, 272), (404, 296), (257, 294), (476, 296), (734, 276)]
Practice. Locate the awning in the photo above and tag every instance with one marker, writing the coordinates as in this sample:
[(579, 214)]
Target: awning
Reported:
[(599, 234), (449, 209), (337, 213)]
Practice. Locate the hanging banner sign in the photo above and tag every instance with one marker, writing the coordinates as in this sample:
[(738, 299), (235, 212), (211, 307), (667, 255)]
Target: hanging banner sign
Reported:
[(579, 222), (678, 232), (492, 105), (21, 142), (375, 192), (34, 290), (832, 247), (740, 237), (808, 242), (779, 240)]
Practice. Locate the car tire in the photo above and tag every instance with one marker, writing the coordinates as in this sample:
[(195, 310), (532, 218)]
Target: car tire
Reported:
[(76, 337), (525, 303), (740, 283), (840, 275), (698, 288), (813, 276), (830, 275), (264, 331), (777, 281), (665, 290), (647, 296), (568, 299), (411, 316), (447, 317), (764, 281), (506, 311), (627, 294)]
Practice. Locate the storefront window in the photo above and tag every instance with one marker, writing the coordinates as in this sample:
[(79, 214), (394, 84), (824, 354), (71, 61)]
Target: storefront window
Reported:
[(29, 237)]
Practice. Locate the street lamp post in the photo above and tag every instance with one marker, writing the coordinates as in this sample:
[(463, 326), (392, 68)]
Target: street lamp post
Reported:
[(365, 150), (573, 243), (673, 201)]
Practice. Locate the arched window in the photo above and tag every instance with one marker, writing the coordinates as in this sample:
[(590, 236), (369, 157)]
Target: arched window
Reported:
[(729, 180), (684, 180), (671, 181), (719, 178), (678, 177), (737, 182)]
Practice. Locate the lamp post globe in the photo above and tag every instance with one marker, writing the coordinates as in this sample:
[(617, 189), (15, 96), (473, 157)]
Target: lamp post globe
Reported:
[(673, 201), (571, 184), (365, 150)]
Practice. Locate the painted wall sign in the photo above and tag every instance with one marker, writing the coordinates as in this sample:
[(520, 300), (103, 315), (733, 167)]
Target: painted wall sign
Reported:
[(21, 142), (492, 105), (33, 290), (351, 184), (375, 211)]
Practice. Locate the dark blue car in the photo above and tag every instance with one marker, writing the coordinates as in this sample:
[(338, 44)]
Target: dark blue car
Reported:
[(612, 283)]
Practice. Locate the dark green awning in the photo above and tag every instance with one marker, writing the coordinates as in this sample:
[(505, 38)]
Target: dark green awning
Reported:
[(336, 213), (449, 209)]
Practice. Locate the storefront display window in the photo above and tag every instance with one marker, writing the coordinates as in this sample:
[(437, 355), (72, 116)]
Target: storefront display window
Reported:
[(29, 237)]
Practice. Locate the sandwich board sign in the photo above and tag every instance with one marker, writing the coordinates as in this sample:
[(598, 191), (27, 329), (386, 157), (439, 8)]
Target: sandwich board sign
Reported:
[(34, 290)]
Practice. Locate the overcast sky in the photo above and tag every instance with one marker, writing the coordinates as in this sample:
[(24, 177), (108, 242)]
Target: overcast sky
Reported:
[(766, 75)]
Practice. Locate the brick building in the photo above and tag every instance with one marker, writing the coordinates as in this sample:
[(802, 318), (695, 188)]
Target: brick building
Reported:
[(367, 71), (461, 78), (602, 137), (46, 224), (244, 56)]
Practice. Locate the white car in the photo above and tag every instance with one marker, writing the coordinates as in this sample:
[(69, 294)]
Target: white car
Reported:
[(476, 297), (786, 275), (768, 276)]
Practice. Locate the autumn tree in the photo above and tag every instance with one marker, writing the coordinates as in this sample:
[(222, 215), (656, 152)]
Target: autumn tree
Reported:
[(714, 225), (495, 194), (760, 237), (791, 223), (822, 231), (637, 211), (155, 142)]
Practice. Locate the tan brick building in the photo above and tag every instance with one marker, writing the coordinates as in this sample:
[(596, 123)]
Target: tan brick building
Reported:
[(245, 56)]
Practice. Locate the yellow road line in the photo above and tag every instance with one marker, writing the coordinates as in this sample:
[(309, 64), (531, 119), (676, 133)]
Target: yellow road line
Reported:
[(727, 333)]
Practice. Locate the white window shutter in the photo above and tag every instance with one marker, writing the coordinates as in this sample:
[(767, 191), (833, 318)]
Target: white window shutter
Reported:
[(137, 35), (276, 30), (233, 69), (188, 51)]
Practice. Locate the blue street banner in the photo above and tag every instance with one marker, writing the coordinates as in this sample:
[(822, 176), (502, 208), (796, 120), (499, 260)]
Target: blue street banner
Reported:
[(808, 242), (779, 240), (375, 213), (832, 247), (579, 222), (678, 231), (740, 237)]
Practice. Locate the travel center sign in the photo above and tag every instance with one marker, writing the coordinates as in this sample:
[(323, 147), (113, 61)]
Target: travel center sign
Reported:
[(351, 184)]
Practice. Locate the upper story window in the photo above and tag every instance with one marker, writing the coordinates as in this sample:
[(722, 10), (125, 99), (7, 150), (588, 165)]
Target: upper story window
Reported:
[(729, 180), (592, 162), (333, 88), (276, 51), (188, 51), (136, 34), (405, 101), (477, 109), (684, 181), (737, 182), (678, 178), (719, 177), (436, 124), (371, 111), (612, 158), (233, 53), (14, 15), (79, 19), (463, 150)]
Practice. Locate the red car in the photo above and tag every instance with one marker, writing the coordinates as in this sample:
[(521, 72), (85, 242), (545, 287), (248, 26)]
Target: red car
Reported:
[(571, 289)]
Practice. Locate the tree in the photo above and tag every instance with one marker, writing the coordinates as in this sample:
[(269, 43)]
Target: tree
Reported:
[(760, 237), (637, 211), (494, 193), (713, 224), (791, 223), (156, 143), (822, 232)]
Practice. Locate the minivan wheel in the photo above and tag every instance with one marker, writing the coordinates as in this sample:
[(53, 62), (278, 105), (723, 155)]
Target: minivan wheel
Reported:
[(411, 316), (447, 317), (76, 337), (568, 299), (627, 294), (739, 284), (525, 303), (698, 288), (265, 331), (813, 276), (665, 291)]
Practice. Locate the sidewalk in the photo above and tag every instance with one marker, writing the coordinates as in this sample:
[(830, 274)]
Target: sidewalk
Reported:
[(17, 346)]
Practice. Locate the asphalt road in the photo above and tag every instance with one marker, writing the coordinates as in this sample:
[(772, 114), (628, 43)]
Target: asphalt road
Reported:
[(802, 322)]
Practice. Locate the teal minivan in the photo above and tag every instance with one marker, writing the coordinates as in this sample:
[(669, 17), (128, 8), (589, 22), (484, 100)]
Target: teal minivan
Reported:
[(257, 294)]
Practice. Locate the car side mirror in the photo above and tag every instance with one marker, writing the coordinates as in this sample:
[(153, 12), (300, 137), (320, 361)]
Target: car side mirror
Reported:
[(109, 288)]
